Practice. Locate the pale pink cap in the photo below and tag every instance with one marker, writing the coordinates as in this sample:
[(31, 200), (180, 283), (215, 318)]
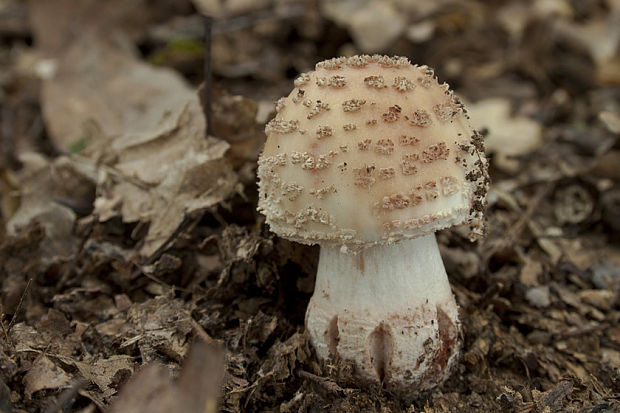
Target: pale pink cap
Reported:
[(370, 150)]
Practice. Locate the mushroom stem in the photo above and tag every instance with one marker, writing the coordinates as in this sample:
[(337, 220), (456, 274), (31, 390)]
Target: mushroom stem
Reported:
[(389, 310)]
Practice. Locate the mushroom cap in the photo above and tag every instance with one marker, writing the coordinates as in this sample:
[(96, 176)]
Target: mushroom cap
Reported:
[(370, 150)]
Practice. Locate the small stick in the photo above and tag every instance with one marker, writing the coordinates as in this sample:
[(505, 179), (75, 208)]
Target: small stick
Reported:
[(200, 332), (188, 219), (19, 306), (329, 385), (208, 73)]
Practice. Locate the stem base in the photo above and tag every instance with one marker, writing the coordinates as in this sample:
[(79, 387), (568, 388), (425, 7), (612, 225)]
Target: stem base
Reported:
[(389, 310)]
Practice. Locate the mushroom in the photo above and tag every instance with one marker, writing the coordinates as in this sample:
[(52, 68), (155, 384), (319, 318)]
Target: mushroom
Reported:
[(368, 156)]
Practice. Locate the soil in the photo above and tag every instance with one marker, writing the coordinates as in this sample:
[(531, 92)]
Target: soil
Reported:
[(123, 293)]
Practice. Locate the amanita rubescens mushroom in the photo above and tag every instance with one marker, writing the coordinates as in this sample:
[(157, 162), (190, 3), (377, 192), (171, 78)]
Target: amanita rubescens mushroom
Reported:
[(368, 157)]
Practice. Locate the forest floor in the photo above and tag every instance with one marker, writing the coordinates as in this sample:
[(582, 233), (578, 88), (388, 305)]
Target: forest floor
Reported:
[(136, 274)]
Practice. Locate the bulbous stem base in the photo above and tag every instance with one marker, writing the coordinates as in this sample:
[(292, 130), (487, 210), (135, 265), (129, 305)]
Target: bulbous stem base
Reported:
[(389, 310)]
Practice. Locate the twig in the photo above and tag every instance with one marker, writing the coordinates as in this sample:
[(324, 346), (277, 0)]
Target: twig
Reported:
[(329, 385), (218, 217), (187, 220), (200, 332), (19, 306)]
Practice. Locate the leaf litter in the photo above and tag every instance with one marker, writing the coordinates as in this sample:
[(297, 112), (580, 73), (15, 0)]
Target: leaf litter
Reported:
[(137, 275)]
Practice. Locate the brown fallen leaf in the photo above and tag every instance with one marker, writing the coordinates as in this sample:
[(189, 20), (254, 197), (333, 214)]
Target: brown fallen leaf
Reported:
[(196, 390), (601, 299), (157, 326), (44, 374), (142, 125), (161, 175), (530, 272), (235, 121), (96, 80), (551, 400), (108, 373), (52, 192)]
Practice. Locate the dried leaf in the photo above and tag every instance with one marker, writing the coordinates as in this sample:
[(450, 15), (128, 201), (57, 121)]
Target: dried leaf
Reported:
[(601, 299), (158, 325), (235, 121), (44, 374), (530, 272), (508, 135), (551, 400), (161, 176), (611, 121), (108, 373), (376, 26), (147, 130), (51, 193), (196, 390)]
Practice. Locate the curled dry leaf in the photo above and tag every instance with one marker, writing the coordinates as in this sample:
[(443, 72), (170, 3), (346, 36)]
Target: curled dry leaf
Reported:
[(99, 83), (551, 400), (600, 36), (161, 323), (374, 25), (145, 127), (601, 299), (160, 176), (52, 193), (508, 135), (530, 272)]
